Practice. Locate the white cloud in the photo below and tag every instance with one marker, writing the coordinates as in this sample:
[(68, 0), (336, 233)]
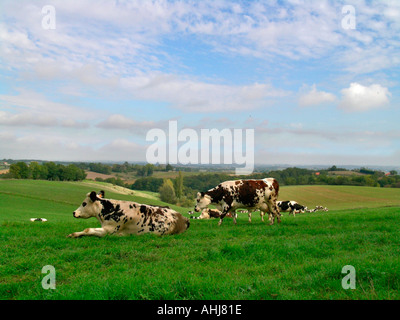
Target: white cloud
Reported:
[(315, 97), (68, 148), (31, 108), (118, 121), (38, 102), (362, 98), (197, 96)]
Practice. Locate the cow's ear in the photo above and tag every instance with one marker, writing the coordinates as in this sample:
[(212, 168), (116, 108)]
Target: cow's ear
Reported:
[(202, 194), (93, 196), (101, 194)]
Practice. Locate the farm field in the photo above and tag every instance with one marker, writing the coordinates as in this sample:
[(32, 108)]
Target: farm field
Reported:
[(302, 258)]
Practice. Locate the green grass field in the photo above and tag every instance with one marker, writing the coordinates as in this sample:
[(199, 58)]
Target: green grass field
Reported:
[(302, 258)]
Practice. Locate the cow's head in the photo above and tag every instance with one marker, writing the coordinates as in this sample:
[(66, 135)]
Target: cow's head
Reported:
[(90, 207), (203, 200)]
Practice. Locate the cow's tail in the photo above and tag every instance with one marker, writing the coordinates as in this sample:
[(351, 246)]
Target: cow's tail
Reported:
[(275, 184)]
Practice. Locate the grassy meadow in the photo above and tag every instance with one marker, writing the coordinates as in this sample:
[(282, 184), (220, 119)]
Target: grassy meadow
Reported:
[(302, 258)]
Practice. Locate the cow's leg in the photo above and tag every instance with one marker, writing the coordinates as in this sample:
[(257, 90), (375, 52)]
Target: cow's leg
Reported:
[(235, 215), (224, 212), (249, 214), (98, 232), (222, 216), (262, 215), (273, 209)]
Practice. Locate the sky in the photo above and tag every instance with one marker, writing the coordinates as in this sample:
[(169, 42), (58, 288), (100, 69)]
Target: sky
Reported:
[(316, 81)]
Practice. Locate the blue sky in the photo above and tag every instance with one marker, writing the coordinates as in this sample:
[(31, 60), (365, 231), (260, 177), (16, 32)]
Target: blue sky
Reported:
[(91, 88)]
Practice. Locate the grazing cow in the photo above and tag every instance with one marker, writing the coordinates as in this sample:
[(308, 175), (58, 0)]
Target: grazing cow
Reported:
[(322, 208), (126, 217), (207, 214), (251, 194), (318, 208), (291, 206)]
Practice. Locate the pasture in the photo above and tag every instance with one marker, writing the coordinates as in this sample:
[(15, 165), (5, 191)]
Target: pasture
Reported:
[(302, 258)]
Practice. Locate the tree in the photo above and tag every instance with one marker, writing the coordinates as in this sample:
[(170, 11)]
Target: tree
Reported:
[(167, 192), (15, 171), (179, 185), (149, 184), (19, 170), (52, 173), (168, 167), (35, 169)]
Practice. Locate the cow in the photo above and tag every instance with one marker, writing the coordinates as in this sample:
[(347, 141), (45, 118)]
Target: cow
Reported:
[(207, 214), (228, 196), (126, 217), (292, 207), (320, 208), (214, 213)]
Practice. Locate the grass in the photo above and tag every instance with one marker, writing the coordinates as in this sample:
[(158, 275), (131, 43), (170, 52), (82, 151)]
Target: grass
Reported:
[(341, 197), (301, 258)]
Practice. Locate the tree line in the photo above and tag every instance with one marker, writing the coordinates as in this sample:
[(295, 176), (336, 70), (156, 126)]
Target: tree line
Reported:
[(45, 171), (144, 170)]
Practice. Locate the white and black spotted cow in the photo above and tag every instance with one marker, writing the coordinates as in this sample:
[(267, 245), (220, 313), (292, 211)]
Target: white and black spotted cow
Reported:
[(292, 207), (126, 217), (207, 214), (251, 194), (319, 208)]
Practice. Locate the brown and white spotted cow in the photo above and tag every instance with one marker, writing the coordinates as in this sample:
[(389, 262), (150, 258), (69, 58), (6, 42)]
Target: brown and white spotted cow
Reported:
[(126, 217), (251, 194)]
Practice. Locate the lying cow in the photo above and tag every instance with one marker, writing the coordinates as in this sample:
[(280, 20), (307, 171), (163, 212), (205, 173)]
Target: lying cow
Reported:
[(207, 214), (251, 194), (292, 207), (126, 217)]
